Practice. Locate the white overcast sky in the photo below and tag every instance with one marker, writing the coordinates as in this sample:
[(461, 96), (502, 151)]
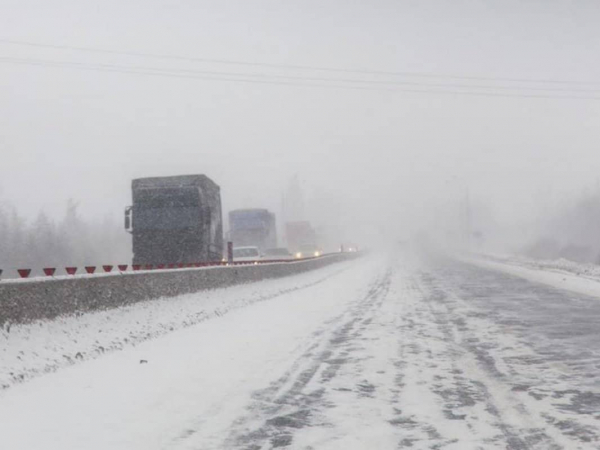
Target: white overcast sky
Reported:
[(383, 155)]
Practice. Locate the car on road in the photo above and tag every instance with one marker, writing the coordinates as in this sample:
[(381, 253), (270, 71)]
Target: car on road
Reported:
[(277, 253), (246, 254), (308, 251)]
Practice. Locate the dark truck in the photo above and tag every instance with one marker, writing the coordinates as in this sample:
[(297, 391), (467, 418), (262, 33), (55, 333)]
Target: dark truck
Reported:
[(252, 227), (175, 220)]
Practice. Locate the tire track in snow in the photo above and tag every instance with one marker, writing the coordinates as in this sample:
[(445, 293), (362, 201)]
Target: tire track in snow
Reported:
[(416, 362), (420, 390), (468, 381), (499, 322), (297, 399)]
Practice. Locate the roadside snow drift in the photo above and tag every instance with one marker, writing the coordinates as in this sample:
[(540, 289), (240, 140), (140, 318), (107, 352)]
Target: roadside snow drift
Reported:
[(42, 346)]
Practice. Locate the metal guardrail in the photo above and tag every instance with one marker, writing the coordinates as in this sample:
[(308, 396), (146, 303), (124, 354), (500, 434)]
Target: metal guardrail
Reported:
[(120, 268), (26, 300)]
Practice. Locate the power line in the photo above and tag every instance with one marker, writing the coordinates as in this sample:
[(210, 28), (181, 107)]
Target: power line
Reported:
[(233, 77), (288, 66), (145, 69)]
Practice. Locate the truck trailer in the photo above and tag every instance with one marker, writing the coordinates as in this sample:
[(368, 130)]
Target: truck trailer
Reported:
[(300, 234), (253, 227), (175, 220)]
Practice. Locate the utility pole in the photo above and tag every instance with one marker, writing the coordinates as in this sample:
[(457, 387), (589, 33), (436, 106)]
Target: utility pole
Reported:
[(468, 220)]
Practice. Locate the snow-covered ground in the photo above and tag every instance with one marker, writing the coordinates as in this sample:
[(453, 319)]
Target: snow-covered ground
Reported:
[(43, 346), (377, 353), (558, 265), (561, 273)]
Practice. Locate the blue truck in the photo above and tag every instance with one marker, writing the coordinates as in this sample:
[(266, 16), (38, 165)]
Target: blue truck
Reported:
[(253, 227)]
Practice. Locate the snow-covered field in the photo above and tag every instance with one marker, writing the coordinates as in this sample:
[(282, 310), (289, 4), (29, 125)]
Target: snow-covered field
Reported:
[(377, 353), (558, 265), (561, 273)]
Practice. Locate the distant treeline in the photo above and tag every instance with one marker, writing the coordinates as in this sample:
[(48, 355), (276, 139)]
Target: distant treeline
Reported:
[(71, 240), (571, 232)]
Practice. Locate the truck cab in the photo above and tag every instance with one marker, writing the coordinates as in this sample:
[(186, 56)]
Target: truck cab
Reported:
[(175, 220)]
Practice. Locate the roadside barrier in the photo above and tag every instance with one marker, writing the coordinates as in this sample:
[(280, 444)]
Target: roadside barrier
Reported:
[(107, 268), (47, 297), (24, 273)]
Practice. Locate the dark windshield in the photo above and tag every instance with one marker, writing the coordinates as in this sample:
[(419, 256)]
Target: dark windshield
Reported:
[(277, 252), (166, 198), (245, 252), (166, 218), (248, 219), (165, 209)]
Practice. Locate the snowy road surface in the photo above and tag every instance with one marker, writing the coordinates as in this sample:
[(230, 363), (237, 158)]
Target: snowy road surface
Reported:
[(377, 353)]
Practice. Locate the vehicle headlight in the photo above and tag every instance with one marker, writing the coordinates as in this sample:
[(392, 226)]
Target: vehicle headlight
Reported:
[(317, 253), (298, 255)]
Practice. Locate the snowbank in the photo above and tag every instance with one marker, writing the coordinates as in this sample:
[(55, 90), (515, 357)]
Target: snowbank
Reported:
[(27, 350), (581, 278)]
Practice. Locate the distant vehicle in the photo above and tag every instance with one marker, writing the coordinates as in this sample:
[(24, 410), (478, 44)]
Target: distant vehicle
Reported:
[(252, 227), (350, 248), (246, 254), (277, 253), (298, 234), (308, 251), (175, 220)]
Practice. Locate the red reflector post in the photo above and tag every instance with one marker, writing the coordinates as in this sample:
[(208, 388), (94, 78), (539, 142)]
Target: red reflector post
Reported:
[(24, 273)]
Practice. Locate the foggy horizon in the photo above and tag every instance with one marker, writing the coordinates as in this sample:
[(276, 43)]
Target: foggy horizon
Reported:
[(377, 151)]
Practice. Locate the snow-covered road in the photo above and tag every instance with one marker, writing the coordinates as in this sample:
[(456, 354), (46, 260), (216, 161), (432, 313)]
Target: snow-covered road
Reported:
[(375, 353)]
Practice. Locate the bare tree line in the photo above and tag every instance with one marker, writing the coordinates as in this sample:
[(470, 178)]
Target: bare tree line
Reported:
[(70, 241), (572, 231)]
